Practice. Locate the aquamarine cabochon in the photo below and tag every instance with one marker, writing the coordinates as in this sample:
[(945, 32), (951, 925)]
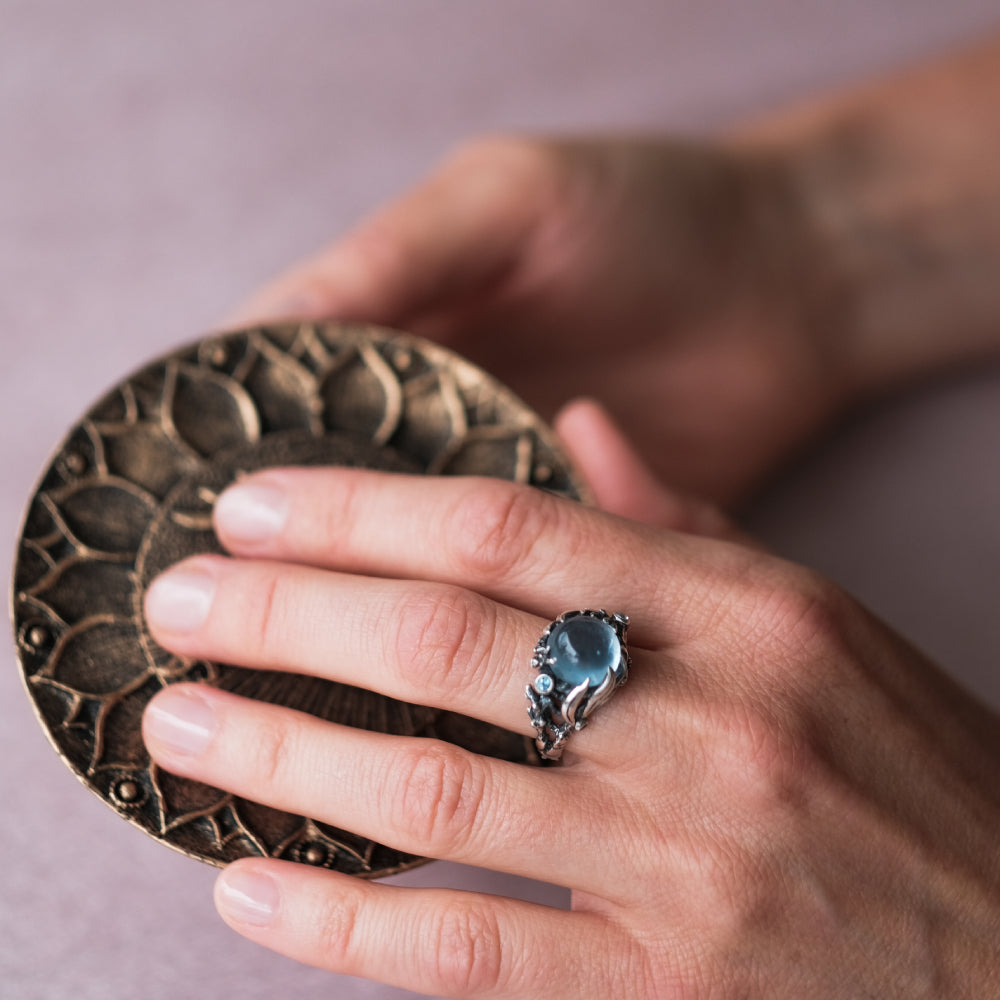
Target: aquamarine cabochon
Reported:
[(583, 648)]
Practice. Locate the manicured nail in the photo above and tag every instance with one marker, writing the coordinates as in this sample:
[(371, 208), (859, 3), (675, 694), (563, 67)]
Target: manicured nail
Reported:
[(247, 897), (252, 512), (180, 721), (179, 600)]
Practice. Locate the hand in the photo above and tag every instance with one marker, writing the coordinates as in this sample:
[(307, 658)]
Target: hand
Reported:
[(785, 800), (679, 284)]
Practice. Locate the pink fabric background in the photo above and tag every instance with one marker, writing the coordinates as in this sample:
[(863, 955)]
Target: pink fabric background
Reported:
[(159, 160)]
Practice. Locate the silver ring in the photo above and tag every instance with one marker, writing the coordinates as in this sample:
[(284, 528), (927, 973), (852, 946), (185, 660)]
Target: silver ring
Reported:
[(579, 662)]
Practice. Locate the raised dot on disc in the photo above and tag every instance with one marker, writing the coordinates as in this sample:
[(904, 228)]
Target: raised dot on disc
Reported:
[(37, 636), (314, 855), (127, 791)]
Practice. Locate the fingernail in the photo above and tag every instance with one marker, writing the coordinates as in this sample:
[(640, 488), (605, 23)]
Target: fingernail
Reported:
[(180, 721), (247, 897), (252, 512), (179, 600)]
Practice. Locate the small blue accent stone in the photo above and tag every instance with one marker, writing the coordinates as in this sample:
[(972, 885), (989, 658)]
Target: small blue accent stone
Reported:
[(543, 684), (583, 648)]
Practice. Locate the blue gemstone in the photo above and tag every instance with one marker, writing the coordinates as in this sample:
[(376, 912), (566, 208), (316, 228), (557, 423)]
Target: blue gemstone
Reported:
[(583, 648), (543, 684)]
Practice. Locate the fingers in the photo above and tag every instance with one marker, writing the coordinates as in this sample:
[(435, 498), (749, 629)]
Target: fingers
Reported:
[(433, 644), (440, 942), (451, 238), (421, 796), (622, 482), (518, 545)]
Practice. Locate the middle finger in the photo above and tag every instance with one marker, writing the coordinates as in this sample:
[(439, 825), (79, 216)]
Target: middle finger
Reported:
[(430, 643)]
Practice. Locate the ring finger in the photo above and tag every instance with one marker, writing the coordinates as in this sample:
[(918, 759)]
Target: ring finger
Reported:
[(422, 796)]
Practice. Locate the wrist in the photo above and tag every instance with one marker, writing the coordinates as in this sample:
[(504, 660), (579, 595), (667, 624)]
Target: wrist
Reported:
[(912, 259), (896, 188)]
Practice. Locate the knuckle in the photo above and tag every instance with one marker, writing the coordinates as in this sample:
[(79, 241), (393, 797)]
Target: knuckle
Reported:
[(764, 767), (797, 616), (437, 796), (498, 525), (265, 613), (763, 756), (269, 753), (335, 923), (441, 636), (467, 951), (336, 521)]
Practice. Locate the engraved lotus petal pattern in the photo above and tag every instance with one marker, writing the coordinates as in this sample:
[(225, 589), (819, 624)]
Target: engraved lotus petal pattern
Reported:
[(130, 491)]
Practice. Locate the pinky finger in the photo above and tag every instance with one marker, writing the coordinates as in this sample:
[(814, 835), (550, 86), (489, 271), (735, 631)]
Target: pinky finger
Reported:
[(624, 484), (443, 942)]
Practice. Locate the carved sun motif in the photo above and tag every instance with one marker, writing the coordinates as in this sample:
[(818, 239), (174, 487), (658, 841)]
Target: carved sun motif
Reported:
[(131, 490)]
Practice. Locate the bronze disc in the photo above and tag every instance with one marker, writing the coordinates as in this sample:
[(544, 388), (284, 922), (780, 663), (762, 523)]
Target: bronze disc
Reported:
[(130, 491)]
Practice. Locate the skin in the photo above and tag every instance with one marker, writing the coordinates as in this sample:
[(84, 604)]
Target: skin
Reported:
[(787, 799), (804, 806), (725, 300), (518, 248)]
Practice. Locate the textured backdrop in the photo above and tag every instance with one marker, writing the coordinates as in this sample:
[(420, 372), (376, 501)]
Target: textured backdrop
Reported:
[(158, 160)]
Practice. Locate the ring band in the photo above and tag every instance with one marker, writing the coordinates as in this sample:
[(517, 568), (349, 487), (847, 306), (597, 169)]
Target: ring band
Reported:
[(580, 660)]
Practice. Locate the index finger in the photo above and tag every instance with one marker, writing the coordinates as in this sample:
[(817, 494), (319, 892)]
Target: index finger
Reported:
[(516, 544)]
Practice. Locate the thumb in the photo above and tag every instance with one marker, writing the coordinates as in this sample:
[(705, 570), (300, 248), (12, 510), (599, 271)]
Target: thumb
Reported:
[(621, 481)]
